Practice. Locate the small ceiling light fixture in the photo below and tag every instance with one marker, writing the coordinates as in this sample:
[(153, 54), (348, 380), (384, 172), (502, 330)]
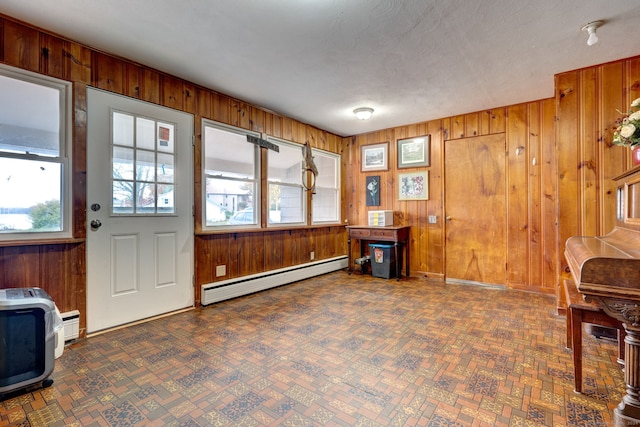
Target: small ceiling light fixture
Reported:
[(591, 28), (363, 113)]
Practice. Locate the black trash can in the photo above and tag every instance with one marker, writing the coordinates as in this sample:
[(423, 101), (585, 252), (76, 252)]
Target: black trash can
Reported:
[(383, 260)]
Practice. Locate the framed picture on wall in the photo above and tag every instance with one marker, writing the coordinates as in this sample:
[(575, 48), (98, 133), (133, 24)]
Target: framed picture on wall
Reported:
[(414, 152), (413, 186), (373, 190), (374, 157)]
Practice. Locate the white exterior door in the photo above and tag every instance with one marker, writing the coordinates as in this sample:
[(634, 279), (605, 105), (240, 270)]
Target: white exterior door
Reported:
[(139, 210)]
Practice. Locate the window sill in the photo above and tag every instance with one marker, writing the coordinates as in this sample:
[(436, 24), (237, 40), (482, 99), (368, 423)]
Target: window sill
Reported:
[(39, 242), (265, 230)]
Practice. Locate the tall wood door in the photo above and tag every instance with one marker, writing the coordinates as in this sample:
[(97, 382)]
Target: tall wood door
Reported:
[(139, 210), (475, 210)]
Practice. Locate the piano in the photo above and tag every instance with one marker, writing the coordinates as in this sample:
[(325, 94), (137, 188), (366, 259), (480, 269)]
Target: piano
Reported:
[(606, 270)]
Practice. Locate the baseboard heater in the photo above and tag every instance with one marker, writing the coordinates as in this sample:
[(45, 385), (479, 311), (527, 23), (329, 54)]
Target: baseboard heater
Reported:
[(232, 288), (71, 324)]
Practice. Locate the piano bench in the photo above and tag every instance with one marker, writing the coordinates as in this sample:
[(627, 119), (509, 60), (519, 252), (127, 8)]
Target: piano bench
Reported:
[(578, 312)]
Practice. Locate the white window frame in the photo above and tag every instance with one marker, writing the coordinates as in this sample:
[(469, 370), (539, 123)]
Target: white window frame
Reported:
[(63, 159), (303, 194), (337, 188), (257, 178)]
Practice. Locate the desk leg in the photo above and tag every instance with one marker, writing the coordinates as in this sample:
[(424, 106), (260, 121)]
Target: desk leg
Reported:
[(576, 341), (398, 266), (349, 254), (363, 267), (406, 251)]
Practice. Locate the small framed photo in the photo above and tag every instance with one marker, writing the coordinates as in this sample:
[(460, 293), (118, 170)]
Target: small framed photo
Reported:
[(374, 157), (414, 152), (373, 190), (413, 186)]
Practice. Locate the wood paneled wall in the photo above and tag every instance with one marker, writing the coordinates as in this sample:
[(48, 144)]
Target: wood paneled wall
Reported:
[(531, 212), (560, 162), (588, 102), (59, 267)]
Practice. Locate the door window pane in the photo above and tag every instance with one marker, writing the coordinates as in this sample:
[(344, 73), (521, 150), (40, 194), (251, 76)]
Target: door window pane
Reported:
[(145, 133), (122, 129), (166, 137), (165, 167), (123, 197), (122, 163)]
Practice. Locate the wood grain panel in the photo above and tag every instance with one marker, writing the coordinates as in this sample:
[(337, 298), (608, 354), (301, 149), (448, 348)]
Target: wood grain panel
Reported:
[(457, 127), (518, 195), (79, 63), (52, 51), (497, 122), (133, 81), (171, 92), (108, 73), (568, 158), (2, 40), (588, 151), (79, 161), (151, 86), (472, 125), (612, 159), (535, 238), (22, 47), (548, 171)]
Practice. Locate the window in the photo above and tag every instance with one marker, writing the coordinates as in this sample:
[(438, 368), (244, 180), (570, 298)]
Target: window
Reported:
[(286, 195), (34, 149), (231, 177), (326, 201), (232, 182), (143, 159)]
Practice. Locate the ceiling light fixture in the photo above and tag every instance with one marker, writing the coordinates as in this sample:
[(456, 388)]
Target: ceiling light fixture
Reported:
[(363, 113), (591, 28)]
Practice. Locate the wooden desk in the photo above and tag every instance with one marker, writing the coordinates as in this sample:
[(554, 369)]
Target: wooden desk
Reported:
[(398, 235), (578, 312)]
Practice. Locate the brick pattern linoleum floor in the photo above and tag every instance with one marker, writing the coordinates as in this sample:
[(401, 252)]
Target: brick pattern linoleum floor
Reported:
[(336, 350)]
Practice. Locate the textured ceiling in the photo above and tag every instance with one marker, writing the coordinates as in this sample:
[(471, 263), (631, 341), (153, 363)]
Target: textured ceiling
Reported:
[(317, 60)]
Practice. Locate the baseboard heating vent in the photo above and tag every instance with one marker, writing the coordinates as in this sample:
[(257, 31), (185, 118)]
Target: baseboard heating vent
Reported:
[(71, 323), (232, 288)]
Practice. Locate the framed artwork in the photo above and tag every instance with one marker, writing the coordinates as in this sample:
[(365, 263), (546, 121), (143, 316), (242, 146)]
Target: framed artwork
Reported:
[(373, 191), (413, 186), (374, 157), (414, 152)]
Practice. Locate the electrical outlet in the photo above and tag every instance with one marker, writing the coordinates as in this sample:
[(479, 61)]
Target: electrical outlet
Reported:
[(221, 270), (432, 219), (313, 255)]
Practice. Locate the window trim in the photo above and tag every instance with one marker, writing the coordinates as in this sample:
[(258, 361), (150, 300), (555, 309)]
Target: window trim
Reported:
[(64, 158), (257, 179)]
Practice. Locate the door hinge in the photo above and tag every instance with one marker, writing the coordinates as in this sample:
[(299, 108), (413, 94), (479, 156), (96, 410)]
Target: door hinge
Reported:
[(193, 140)]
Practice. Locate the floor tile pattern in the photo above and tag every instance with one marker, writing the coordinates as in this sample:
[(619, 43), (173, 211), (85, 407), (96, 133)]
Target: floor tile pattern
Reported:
[(336, 350)]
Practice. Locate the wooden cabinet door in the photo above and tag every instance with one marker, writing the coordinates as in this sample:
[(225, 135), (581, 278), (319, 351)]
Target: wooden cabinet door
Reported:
[(475, 209)]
